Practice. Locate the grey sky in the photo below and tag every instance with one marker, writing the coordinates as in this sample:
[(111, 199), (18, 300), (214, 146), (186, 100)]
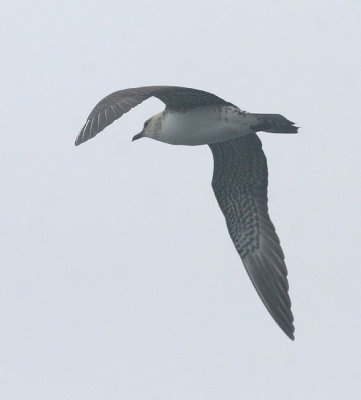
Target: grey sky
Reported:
[(118, 277)]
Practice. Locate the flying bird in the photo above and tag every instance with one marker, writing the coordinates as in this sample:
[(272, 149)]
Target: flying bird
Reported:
[(240, 177)]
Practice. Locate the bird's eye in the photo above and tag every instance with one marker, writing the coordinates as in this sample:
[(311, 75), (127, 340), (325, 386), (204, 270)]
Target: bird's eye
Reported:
[(146, 123)]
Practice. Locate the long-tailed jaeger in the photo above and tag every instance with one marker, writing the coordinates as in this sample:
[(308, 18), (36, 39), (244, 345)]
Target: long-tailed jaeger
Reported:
[(240, 177)]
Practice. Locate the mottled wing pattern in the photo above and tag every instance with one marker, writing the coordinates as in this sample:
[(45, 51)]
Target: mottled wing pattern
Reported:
[(240, 184), (118, 103)]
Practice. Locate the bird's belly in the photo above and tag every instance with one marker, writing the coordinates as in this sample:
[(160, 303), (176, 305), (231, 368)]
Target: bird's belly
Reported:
[(198, 127)]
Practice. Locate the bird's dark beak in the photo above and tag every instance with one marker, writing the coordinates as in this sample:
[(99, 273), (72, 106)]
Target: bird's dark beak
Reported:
[(138, 136)]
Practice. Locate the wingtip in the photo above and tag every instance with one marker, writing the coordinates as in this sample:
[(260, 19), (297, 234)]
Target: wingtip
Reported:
[(84, 133), (288, 329), (78, 141), (291, 335)]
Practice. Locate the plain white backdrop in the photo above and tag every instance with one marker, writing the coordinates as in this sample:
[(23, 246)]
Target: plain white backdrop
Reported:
[(118, 277)]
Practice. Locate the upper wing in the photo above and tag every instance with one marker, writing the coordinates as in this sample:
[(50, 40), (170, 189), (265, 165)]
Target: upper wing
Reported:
[(239, 182), (118, 103)]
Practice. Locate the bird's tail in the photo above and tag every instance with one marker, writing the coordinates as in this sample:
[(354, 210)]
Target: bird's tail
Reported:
[(274, 123)]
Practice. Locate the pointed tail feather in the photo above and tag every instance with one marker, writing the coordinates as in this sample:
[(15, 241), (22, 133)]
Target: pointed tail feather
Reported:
[(274, 123)]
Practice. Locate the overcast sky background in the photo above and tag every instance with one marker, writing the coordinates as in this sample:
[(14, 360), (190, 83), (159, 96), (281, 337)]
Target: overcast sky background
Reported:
[(118, 277)]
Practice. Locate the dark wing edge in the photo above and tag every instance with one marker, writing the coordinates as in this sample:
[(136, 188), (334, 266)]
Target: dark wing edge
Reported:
[(111, 108), (118, 103), (240, 182)]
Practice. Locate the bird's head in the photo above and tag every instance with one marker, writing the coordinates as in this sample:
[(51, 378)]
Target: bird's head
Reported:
[(150, 129)]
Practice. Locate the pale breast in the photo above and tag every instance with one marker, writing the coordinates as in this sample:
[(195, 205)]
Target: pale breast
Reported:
[(204, 125)]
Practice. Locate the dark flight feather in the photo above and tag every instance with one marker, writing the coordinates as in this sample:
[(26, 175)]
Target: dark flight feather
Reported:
[(240, 182)]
